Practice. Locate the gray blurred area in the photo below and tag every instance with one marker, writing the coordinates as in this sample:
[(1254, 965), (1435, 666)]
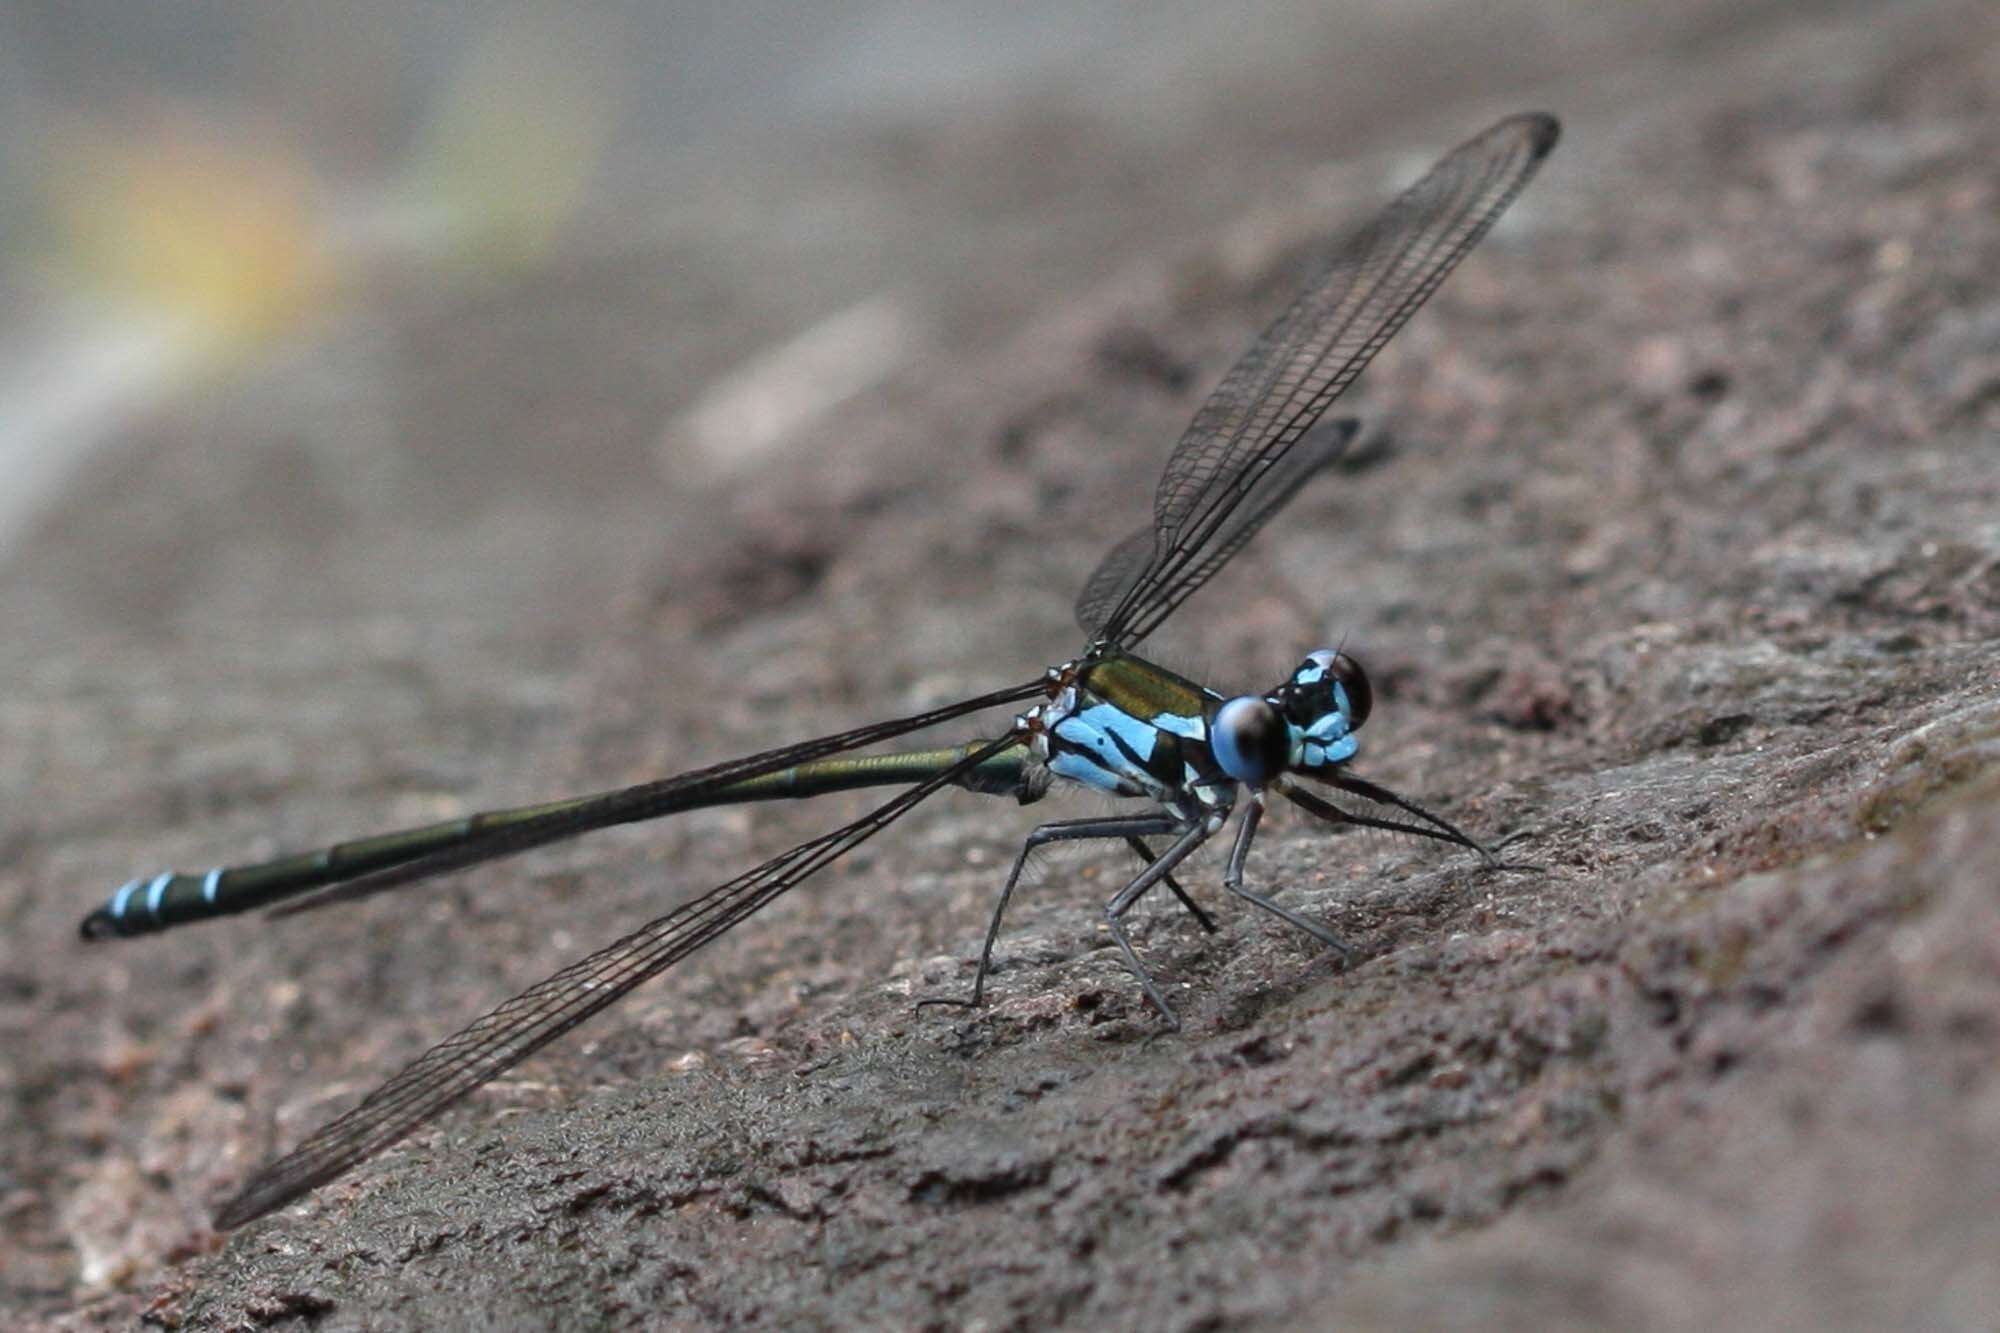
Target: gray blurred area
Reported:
[(735, 173), (407, 409)]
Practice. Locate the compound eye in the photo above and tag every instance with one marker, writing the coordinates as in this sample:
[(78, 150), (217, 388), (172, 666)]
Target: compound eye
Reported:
[(1360, 697), (1250, 740)]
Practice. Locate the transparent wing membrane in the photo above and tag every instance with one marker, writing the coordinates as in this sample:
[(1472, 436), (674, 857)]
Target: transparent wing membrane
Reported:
[(1304, 361), (1271, 492), (545, 1011)]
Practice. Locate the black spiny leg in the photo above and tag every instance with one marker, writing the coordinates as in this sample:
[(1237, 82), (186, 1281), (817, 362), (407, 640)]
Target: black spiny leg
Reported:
[(1182, 848), (1132, 827), (1232, 880), (1145, 854)]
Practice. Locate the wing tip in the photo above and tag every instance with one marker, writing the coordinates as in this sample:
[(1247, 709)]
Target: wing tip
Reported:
[(1543, 130), (238, 1212), (260, 1198)]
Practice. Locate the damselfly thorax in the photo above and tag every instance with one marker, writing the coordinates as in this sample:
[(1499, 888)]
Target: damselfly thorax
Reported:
[(1126, 727), (1129, 727)]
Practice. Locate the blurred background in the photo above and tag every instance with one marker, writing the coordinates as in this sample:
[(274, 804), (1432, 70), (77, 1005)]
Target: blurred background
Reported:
[(410, 406), (726, 219)]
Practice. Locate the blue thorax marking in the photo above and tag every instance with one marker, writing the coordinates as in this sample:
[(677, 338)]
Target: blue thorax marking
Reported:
[(1105, 748), (1114, 727), (1194, 728), (1122, 750)]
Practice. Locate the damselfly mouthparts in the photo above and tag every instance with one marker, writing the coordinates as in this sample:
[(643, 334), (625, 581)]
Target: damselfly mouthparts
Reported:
[(1107, 720)]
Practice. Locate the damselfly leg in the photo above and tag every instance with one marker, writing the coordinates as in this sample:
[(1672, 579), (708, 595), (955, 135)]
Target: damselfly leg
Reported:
[(1232, 879), (1146, 857), (1114, 911), (1131, 828)]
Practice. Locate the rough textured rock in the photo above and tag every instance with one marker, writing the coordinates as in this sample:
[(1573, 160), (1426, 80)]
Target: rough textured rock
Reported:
[(1676, 553)]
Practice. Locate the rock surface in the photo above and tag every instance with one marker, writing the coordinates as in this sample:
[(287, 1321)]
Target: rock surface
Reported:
[(1675, 551)]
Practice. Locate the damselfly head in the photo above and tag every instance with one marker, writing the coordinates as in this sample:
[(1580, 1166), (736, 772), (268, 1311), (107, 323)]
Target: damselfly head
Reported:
[(1322, 705), (1307, 723), (1328, 681)]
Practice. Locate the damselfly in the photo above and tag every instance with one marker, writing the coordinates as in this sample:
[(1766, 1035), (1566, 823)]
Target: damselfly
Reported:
[(1108, 720)]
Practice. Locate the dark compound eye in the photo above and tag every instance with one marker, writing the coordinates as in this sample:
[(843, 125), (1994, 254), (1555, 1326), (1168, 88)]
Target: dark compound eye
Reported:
[(1250, 740), (1360, 696)]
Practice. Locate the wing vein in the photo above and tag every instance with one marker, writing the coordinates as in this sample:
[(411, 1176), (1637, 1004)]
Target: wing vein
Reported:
[(545, 1011), (1303, 362)]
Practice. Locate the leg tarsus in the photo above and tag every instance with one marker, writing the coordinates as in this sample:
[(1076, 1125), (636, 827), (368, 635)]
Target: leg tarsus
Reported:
[(1122, 901), (1307, 924), (1232, 880), (1493, 862), (1172, 1019)]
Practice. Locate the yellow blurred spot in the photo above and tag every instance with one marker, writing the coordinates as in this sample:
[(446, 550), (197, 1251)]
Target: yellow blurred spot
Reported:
[(188, 227)]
